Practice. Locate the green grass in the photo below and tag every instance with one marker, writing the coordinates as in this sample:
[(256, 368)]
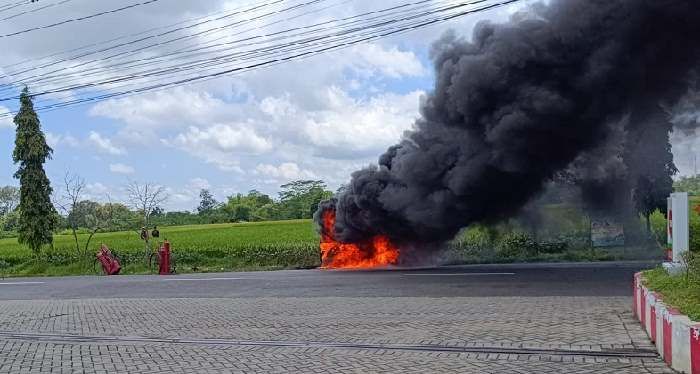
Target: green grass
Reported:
[(197, 248), (678, 291)]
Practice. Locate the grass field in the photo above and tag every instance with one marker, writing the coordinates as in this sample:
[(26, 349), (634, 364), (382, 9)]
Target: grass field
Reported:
[(283, 244)]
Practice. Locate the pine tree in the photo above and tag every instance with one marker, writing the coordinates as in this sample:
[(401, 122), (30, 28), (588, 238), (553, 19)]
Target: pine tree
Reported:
[(38, 217)]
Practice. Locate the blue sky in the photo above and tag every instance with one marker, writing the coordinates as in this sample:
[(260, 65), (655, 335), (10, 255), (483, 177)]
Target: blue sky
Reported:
[(320, 118)]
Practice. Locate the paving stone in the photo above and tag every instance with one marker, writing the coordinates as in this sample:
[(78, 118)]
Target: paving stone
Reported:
[(570, 323)]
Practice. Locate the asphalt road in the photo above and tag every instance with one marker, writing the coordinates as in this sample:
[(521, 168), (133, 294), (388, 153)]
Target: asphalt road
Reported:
[(538, 280)]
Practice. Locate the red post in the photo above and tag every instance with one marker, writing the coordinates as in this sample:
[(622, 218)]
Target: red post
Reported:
[(695, 349), (164, 268)]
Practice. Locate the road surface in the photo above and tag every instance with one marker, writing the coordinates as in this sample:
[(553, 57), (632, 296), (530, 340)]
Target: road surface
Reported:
[(563, 318)]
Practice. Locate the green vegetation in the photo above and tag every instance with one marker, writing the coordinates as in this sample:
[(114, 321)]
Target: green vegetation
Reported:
[(503, 244), (658, 225), (38, 217), (201, 248), (690, 185), (682, 292)]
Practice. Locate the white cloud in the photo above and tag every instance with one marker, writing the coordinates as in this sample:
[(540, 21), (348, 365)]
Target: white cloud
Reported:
[(121, 169), (56, 140), (167, 109), (199, 184), (96, 188), (104, 144), (6, 122), (222, 144), (284, 172), (352, 128), (390, 62)]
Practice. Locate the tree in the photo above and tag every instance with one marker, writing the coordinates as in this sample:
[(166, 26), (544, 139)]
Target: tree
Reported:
[(38, 217), (649, 162), (690, 185), (300, 199), (207, 202), (146, 198), (100, 218), (241, 207), (9, 199), (121, 218), (82, 213), (73, 186)]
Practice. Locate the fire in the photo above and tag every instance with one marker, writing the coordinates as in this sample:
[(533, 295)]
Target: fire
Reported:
[(376, 252)]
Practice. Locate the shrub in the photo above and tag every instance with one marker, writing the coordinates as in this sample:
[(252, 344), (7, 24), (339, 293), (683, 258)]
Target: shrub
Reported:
[(553, 247), (692, 261), (516, 244)]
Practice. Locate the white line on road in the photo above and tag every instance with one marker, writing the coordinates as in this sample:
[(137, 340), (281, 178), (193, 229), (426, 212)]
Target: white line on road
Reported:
[(18, 283), (454, 274), (198, 279)]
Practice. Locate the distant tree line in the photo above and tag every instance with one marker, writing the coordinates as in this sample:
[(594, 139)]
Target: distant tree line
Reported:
[(296, 200)]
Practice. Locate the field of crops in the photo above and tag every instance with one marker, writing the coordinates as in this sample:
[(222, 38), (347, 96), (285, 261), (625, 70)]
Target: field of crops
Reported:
[(282, 244)]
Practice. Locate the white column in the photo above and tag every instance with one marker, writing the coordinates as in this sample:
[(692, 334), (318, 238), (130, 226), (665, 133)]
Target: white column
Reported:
[(680, 225)]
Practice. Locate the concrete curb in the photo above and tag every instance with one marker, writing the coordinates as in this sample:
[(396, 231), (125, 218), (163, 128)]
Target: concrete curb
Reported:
[(677, 338)]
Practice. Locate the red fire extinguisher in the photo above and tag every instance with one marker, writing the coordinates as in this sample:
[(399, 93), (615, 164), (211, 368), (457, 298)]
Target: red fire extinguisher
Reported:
[(164, 253)]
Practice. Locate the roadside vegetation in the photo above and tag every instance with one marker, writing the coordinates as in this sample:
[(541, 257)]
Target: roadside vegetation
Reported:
[(196, 248), (681, 292)]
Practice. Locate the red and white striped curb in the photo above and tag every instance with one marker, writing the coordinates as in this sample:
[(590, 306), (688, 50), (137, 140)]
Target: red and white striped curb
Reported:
[(677, 338)]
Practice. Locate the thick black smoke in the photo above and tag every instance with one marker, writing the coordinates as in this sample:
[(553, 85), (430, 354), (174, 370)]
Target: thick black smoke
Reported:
[(518, 103)]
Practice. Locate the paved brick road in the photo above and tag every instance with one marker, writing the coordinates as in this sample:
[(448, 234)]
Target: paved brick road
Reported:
[(396, 335)]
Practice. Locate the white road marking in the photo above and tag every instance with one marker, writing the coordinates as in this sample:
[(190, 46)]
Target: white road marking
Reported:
[(198, 279), (18, 283), (455, 274)]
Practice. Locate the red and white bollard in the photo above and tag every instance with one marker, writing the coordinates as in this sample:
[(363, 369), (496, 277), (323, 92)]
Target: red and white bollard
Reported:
[(651, 316), (660, 313), (695, 349), (668, 337), (637, 290)]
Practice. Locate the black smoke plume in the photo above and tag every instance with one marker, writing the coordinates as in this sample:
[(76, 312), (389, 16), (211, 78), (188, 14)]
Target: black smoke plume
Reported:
[(515, 105)]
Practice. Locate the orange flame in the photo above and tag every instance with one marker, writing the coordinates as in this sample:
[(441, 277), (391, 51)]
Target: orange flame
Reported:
[(376, 252)]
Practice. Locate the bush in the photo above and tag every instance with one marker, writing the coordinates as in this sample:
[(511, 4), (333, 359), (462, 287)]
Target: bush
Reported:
[(692, 261), (553, 247), (658, 227), (516, 244)]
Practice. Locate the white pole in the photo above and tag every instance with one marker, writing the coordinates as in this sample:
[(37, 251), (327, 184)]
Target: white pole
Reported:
[(680, 225)]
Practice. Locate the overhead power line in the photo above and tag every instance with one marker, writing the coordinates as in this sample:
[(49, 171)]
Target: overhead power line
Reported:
[(208, 61), (199, 50), (10, 6), (144, 38), (77, 19), (303, 44), (51, 5), (103, 42)]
